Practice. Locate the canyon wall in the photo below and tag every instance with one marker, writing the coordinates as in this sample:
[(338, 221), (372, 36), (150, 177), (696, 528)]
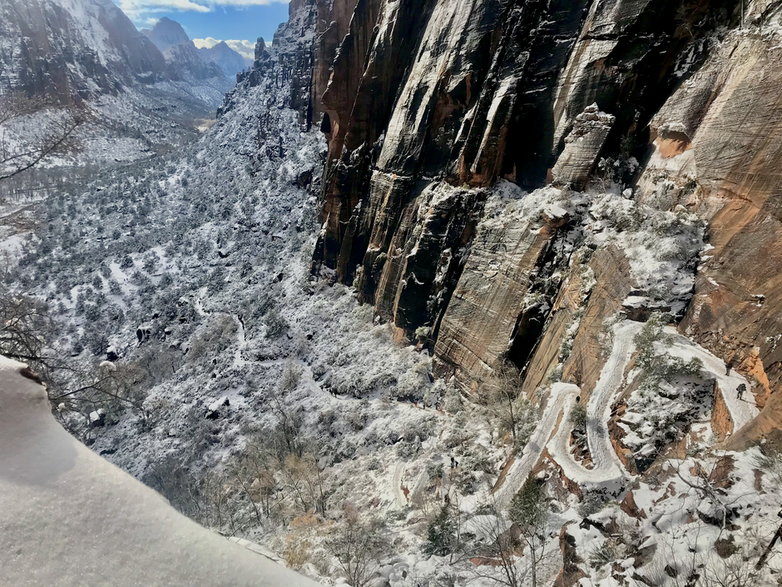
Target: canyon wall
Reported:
[(432, 108), (66, 52)]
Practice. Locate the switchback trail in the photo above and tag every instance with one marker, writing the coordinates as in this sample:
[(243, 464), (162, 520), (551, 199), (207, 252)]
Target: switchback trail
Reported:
[(741, 411)]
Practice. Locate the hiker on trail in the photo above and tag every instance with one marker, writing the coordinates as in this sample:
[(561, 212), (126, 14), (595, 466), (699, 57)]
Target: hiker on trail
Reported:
[(454, 462), (740, 391), (728, 366)]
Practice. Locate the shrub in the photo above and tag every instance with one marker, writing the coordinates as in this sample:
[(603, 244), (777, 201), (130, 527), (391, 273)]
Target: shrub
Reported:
[(606, 553), (357, 545), (592, 503), (578, 417), (276, 325), (215, 335), (453, 400), (441, 536), (528, 506), (291, 376)]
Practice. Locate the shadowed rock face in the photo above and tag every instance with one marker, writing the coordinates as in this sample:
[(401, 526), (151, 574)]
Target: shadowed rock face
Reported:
[(477, 90), (428, 104), (294, 46)]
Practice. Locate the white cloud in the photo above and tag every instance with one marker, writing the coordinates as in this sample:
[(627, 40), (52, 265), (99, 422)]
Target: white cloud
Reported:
[(136, 8), (142, 12), (244, 48), (205, 43), (243, 2)]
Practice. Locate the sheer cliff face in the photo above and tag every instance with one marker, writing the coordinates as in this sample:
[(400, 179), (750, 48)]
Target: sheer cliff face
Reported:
[(428, 104), (715, 150)]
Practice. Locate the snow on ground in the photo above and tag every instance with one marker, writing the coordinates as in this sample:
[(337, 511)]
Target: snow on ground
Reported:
[(743, 410), (207, 256), (699, 521), (18, 221), (267, 400), (69, 517), (662, 247), (608, 470), (561, 397)]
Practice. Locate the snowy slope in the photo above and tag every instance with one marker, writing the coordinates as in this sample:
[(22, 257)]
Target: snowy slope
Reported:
[(86, 56), (742, 411), (73, 49), (266, 402), (68, 517)]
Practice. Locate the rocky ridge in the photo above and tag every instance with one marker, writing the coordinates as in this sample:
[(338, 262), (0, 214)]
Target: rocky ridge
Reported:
[(87, 56), (672, 101), (73, 50)]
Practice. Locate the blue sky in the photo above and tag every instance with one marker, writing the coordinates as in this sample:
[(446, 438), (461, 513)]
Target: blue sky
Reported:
[(215, 19)]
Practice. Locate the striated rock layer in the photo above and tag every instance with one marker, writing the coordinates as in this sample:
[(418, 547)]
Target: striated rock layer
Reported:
[(428, 104)]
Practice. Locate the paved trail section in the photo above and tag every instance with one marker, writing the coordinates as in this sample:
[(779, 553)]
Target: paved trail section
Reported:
[(741, 411), (608, 468), (400, 499), (561, 394), (607, 471), (554, 429)]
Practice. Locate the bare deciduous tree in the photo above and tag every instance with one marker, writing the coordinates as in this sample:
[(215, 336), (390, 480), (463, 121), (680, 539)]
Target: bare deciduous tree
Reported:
[(24, 143), (515, 540), (24, 325), (357, 544), (112, 386), (512, 412), (703, 480), (254, 473), (304, 478)]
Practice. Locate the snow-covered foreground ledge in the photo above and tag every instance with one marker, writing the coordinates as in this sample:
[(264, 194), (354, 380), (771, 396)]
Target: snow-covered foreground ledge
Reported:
[(68, 517)]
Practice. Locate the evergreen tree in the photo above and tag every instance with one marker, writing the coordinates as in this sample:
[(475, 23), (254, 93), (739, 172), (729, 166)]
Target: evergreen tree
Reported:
[(441, 535)]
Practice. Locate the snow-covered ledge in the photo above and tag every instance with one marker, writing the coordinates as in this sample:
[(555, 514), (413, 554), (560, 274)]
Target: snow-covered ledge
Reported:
[(68, 517)]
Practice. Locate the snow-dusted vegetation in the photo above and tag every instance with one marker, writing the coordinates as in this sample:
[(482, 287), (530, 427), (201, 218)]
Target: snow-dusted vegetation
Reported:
[(187, 338), (250, 393)]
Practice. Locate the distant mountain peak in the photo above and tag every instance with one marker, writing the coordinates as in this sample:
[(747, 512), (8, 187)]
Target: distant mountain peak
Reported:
[(226, 58), (167, 33), (94, 49)]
